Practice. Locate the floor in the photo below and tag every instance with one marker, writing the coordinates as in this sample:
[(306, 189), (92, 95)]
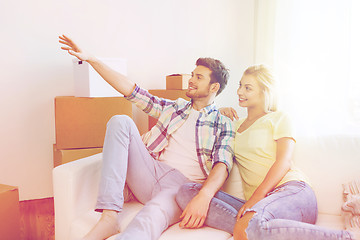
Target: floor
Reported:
[(37, 219)]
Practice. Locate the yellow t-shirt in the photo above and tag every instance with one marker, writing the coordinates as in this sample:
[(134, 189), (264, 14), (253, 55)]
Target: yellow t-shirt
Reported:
[(255, 150)]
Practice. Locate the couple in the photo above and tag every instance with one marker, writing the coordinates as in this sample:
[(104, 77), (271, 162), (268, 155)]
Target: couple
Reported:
[(178, 167)]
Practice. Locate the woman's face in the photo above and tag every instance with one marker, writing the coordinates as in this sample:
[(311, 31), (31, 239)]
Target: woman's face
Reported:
[(249, 92)]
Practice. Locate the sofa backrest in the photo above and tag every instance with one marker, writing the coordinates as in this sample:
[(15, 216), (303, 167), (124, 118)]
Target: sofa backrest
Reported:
[(329, 162)]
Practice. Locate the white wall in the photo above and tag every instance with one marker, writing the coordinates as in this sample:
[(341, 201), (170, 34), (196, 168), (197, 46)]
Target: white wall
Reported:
[(157, 38)]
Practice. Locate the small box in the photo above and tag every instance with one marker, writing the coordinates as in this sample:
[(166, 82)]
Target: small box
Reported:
[(9, 212), (62, 156), (88, 83), (81, 122), (177, 81), (168, 94)]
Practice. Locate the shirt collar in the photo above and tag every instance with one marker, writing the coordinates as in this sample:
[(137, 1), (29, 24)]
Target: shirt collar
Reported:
[(207, 110)]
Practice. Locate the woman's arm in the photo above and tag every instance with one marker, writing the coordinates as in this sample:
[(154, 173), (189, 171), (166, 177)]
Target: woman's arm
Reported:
[(229, 112), (284, 152)]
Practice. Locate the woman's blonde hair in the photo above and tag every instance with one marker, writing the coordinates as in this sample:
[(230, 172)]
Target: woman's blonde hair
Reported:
[(266, 80)]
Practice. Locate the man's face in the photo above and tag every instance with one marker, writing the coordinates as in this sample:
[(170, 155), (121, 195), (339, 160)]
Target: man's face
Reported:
[(199, 83)]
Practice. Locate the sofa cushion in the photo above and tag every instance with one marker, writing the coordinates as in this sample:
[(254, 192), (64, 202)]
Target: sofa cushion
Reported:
[(83, 225), (330, 221), (176, 233)]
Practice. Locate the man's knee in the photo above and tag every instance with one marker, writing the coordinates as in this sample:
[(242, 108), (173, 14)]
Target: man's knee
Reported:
[(117, 121)]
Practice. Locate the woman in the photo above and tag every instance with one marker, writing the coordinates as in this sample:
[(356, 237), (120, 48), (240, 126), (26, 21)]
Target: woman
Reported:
[(280, 204)]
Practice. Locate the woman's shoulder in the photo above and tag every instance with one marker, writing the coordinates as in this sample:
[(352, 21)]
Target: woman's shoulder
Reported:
[(279, 116), (278, 119), (282, 124)]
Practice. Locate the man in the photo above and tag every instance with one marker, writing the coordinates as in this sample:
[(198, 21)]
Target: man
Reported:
[(192, 141)]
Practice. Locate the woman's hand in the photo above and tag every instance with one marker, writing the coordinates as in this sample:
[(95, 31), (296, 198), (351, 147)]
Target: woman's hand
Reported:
[(249, 204), (229, 112), (73, 49)]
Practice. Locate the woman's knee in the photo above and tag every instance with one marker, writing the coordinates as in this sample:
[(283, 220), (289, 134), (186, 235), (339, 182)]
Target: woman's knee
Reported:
[(186, 192)]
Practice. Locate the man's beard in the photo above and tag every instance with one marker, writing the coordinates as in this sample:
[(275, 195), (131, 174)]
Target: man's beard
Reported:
[(198, 94)]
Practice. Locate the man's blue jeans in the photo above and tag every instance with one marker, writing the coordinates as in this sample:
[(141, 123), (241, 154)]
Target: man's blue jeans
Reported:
[(287, 212)]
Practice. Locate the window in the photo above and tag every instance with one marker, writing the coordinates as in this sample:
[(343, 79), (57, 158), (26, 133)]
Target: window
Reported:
[(315, 52)]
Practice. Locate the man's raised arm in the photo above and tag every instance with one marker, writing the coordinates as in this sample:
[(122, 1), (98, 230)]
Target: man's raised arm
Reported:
[(118, 81)]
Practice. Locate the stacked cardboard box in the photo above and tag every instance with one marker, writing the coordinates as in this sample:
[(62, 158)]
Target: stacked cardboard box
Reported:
[(89, 83), (80, 125), (62, 156), (9, 212), (177, 81), (176, 87)]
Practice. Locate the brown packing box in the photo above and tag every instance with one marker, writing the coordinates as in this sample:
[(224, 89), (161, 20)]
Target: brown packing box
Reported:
[(177, 81), (62, 156), (9, 212), (168, 94), (80, 122)]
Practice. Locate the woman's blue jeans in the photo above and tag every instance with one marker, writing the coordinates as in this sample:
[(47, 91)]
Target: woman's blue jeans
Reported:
[(287, 212)]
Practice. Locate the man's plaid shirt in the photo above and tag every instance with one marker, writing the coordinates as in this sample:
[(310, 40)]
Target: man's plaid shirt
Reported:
[(214, 132)]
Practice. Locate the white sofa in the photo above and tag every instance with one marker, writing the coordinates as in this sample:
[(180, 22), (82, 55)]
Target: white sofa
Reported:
[(329, 161)]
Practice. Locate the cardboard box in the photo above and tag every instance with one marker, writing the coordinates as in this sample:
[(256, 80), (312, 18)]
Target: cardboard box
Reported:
[(81, 122), (9, 212), (168, 94), (88, 83), (62, 156), (177, 81)]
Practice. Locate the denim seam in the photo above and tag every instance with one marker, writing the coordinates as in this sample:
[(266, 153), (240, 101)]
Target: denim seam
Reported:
[(225, 210)]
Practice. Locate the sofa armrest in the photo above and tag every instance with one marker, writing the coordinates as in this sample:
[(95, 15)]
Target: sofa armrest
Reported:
[(75, 191)]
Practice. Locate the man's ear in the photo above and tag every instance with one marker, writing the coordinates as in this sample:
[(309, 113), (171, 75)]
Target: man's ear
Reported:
[(215, 87)]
